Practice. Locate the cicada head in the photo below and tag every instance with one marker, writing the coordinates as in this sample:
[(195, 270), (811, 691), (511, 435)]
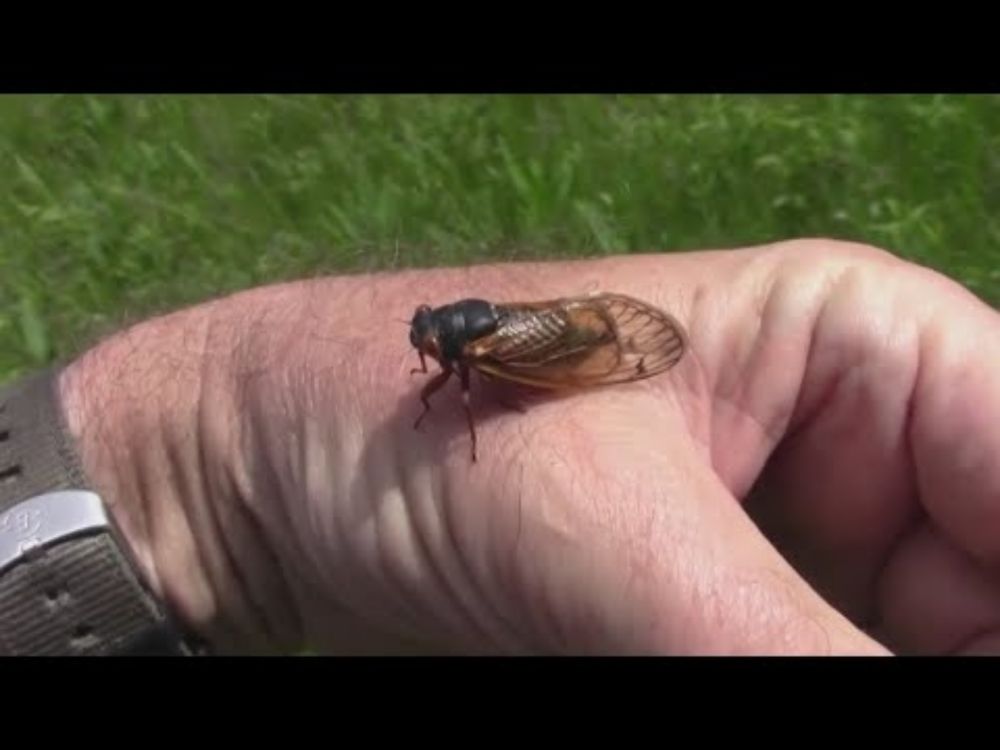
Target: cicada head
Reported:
[(424, 335)]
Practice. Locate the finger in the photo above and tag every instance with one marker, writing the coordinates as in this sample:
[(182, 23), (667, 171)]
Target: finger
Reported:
[(955, 428), (936, 598), (899, 413)]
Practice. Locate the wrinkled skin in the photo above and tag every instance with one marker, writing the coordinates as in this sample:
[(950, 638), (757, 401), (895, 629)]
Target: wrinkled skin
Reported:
[(818, 475)]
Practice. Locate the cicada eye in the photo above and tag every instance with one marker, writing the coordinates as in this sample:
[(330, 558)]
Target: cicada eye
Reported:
[(421, 325)]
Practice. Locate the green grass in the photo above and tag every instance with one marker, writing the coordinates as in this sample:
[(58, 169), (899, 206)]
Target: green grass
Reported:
[(116, 207)]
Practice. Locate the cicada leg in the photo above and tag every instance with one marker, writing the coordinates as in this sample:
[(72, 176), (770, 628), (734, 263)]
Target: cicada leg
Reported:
[(463, 371), (423, 365), (428, 390)]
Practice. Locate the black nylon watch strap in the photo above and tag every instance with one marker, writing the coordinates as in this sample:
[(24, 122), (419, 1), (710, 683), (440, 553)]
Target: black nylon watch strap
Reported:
[(67, 585), (35, 454)]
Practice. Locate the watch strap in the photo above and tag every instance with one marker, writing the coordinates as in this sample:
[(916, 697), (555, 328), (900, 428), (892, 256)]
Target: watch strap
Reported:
[(67, 583)]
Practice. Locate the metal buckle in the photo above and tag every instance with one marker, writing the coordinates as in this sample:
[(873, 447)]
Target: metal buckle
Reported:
[(43, 520)]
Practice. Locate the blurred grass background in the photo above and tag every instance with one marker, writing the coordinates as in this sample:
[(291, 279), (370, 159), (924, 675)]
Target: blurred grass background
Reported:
[(115, 207)]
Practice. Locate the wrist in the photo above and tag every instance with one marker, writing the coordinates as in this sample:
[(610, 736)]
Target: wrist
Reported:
[(152, 412)]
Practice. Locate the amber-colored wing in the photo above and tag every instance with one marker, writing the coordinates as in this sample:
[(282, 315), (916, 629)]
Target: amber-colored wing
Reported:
[(579, 342)]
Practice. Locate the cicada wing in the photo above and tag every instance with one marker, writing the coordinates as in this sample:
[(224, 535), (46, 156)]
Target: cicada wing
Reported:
[(580, 342)]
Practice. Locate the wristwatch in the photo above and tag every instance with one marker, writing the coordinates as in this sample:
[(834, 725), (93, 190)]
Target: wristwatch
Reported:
[(68, 583)]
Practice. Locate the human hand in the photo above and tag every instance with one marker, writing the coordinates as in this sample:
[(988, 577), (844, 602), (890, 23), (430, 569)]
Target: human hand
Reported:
[(618, 520)]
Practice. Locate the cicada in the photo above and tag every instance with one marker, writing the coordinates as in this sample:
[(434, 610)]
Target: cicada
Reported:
[(569, 343)]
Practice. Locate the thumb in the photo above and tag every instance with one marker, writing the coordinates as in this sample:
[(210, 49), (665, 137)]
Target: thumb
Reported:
[(662, 558), (730, 590)]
